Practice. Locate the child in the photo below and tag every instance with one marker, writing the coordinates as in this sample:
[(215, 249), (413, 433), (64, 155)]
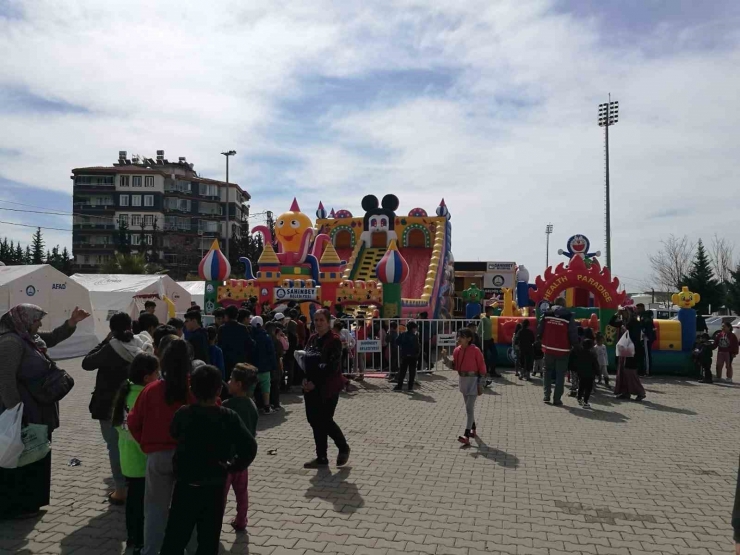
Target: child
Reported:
[(144, 369), (601, 356), (587, 367), (214, 351), (241, 387), (539, 358), (727, 348), (207, 436), (467, 360), (703, 354), (572, 371)]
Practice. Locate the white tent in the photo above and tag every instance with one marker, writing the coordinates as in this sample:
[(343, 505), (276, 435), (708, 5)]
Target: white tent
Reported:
[(197, 290), (111, 293), (45, 286)]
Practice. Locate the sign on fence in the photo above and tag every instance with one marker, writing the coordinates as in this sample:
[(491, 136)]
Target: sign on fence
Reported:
[(446, 340), (369, 346)]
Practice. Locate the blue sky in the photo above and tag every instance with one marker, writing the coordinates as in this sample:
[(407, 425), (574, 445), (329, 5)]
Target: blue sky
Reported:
[(491, 105)]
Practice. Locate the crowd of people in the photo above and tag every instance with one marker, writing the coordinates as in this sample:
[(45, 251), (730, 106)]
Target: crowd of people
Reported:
[(178, 403)]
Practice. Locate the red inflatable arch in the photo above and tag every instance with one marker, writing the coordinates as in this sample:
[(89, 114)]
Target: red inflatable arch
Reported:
[(594, 279)]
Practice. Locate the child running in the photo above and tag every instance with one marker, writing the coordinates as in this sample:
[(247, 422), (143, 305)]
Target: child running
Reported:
[(144, 370), (602, 357), (467, 360), (241, 388), (207, 436), (587, 367)]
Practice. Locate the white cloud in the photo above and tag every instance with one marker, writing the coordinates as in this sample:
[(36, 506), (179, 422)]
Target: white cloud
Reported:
[(511, 142)]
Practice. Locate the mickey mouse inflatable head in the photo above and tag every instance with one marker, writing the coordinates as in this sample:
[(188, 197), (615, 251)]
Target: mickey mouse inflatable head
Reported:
[(379, 218)]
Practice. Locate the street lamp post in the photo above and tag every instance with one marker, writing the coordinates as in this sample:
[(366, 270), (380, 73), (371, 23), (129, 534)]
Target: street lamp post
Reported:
[(608, 116), (228, 153), (548, 231)]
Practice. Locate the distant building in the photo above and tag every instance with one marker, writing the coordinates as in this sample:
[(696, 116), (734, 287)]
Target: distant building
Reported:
[(162, 208)]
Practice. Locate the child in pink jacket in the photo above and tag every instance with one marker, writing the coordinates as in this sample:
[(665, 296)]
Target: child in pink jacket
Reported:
[(468, 361)]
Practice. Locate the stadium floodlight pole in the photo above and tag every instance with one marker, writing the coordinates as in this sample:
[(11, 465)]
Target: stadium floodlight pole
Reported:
[(548, 231), (228, 153), (608, 116)]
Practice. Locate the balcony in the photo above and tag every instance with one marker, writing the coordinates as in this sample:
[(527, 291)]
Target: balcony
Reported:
[(94, 207), (95, 226)]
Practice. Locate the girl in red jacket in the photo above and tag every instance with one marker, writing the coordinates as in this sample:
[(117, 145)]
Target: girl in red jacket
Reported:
[(727, 349), (468, 361), (149, 422)]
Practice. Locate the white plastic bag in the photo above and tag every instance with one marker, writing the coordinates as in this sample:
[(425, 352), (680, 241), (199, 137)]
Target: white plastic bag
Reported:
[(625, 347), (11, 444)]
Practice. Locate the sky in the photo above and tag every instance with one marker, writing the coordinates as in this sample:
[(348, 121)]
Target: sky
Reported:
[(491, 105)]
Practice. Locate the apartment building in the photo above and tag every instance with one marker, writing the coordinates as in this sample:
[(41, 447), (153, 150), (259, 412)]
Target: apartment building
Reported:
[(160, 208)]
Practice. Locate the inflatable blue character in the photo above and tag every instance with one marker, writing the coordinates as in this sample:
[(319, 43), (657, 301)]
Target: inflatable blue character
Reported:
[(578, 245)]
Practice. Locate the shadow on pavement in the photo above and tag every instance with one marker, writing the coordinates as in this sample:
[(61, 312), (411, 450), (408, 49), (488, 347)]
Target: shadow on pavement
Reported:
[(101, 534), (664, 408), (267, 421), (430, 377), (481, 449), (416, 396), (591, 414), (344, 496)]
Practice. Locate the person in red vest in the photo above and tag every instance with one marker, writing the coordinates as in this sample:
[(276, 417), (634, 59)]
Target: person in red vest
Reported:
[(558, 334)]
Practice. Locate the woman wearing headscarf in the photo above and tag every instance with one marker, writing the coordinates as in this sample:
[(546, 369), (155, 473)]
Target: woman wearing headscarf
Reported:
[(628, 382), (24, 375), (111, 359)]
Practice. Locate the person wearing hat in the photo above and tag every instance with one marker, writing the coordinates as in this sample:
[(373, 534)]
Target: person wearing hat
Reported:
[(279, 317), (264, 359)]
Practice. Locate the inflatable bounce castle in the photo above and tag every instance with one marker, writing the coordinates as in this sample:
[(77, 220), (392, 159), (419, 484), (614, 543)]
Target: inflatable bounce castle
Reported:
[(392, 265)]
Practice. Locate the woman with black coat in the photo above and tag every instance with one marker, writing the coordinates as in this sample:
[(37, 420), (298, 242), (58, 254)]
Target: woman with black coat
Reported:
[(111, 359)]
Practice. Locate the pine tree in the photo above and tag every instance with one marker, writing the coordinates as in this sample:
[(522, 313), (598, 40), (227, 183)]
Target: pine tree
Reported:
[(19, 257), (38, 247), (28, 257), (4, 254), (733, 291), (701, 280), (11, 254), (66, 262)]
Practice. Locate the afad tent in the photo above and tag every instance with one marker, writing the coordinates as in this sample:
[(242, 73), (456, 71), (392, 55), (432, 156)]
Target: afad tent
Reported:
[(197, 290), (58, 295), (111, 293)]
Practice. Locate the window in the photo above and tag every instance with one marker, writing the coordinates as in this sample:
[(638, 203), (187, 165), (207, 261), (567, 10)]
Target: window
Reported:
[(123, 200), (123, 219), (135, 239), (123, 180), (136, 181), (149, 181), (136, 219), (148, 200), (148, 239), (149, 221), (208, 227), (208, 190), (135, 200)]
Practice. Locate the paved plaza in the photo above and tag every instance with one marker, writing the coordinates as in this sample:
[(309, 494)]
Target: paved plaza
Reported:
[(623, 479)]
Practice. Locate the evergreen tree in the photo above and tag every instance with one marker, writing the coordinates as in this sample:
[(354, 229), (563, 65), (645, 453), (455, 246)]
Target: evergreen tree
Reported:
[(28, 257), (733, 291), (11, 254), (19, 257), (701, 280), (4, 253), (38, 247), (66, 262)]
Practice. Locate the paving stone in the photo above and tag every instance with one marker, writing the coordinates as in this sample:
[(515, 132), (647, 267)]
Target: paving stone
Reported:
[(623, 479)]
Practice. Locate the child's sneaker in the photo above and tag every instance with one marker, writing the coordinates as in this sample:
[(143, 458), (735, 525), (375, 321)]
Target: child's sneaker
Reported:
[(586, 406), (464, 440), (267, 410), (580, 402), (276, 408)]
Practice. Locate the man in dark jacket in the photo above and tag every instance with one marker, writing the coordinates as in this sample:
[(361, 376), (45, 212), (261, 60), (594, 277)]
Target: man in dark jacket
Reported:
[(526, 350), (557, 333), (234, 340), (409, 351), (197, 336)]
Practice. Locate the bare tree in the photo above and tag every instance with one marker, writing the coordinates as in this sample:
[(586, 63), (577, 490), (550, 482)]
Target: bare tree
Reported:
[(722, 255), (672, 262)]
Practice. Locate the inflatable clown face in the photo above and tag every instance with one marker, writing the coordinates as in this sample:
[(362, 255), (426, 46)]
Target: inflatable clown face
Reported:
[(685, 299)]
